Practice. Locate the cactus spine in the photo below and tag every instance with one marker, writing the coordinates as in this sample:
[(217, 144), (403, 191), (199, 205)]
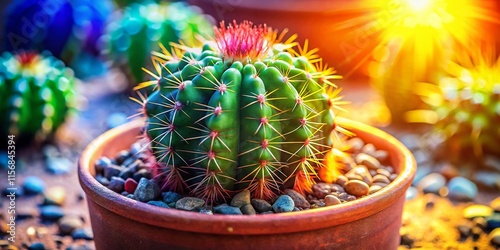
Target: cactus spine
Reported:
[(243, 112)]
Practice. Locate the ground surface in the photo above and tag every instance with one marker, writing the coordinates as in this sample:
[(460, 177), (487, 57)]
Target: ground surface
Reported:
[(429, 228)]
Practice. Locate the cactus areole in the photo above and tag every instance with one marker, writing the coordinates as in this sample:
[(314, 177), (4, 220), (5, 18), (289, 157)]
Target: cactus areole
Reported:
[(245, 111)]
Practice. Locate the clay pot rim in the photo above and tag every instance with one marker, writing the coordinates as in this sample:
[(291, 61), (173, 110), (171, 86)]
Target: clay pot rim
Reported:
[(251, 224)]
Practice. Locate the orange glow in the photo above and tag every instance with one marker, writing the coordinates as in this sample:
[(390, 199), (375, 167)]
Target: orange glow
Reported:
[(333, 165)]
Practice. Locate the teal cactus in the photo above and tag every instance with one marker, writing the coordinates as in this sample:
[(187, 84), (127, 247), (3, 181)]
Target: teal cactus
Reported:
[(244, 111), (141, 27), (37, 92)]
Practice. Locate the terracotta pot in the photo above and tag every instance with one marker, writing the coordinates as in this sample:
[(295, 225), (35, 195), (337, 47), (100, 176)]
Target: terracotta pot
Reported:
[(322, 22), (371, 222)]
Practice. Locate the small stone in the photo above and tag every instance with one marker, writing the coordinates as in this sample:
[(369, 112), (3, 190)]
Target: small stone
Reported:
[(69, 223), (493, 221), (464, 230), (422, 171), (476, 233), (381, 179), (268, 212), (283, 204), (126, 173), (380, 155), (448, 171), (480, 222), (26, 212), (158, 204), (240, 199), (131, 196), (341, 180), (169, 197), (462, 189), (494, 237), (206, 210), (17, 191), (103, 180), (356, 188), (421, 156), (83, 234), (495, 204), (331, 200), (112, 170), (101, 164), (356, 144), (142, 173), (36, 246), (124, 193), (80, 247), (58, 165), (51, 213), (367, 160), (492, 162), (368, 149), (33, 185), (477, 210), (383, 172), (298, 199), (248, 209), (261, 206), (54, 195), (432, 183), (225, 209), (122, 156), (490, 179), (116, 184), (189, 204), (393, 177), (374, 189), (130, 185), (146, 190), (411, 193)]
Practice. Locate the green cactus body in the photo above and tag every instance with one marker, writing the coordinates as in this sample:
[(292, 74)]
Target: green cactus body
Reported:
[(239, 113), (37, 92), (467, 104), (141, 27)]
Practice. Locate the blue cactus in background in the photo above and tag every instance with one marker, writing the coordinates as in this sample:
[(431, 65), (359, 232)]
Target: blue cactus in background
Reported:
[(69, 29)]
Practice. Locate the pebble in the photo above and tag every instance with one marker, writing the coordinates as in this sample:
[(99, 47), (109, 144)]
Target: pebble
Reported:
[(158, 204), (495, 204), (331, 200), (368, 149), (381, 179), (494, 237), (80, 247), (206, 211), (493, 221), (116, 184), (406, 240), (476, 233), (130, 185), (449, 171), (356, 144), (464, 230), (51, 213), (283, 204), (367, 160), (411, 193), (36, 246), (381, 155), (432, 183), (33, 185), (462, 189), (101, 164), (480, 222), (112, 170), (26, 212), (240, 199), (225, 209), (488, 178), (142, 173), (131, 196), (69, 223), (83, 234), (477, 210), (341, 180), (55, 195), (189, 204), (261, 206), (373, 189), (18, 191), (248, 209), (58, 165), (298, 199), (492, 162), (103, 180), (170, 197), (356, 188), (146, 190), (422, 171)]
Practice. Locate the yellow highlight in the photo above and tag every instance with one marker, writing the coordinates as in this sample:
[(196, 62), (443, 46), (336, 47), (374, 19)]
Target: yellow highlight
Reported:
[(419, 5)]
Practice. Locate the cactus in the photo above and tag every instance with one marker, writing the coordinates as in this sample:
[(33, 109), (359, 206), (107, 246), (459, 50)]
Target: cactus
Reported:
[(37, 92), (132, 37), (244, 111), (68, 29), (466, 104)]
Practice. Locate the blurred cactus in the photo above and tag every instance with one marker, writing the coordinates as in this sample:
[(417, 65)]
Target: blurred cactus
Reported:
[(37, 93), (69, 29), (244, 111), (132, 36)]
